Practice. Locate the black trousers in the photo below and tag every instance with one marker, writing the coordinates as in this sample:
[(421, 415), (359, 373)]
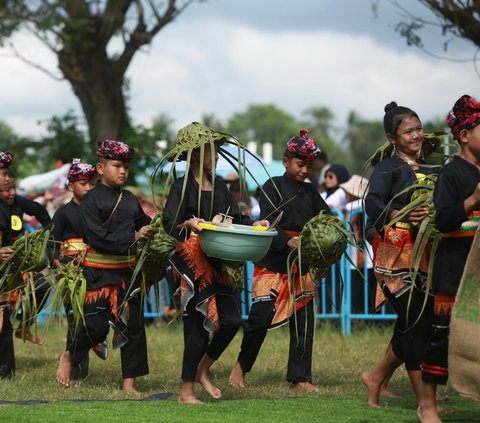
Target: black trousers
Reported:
[(196, 337), (412, 325), (7, 352), (97, 317), (435, 358), (301, 326)]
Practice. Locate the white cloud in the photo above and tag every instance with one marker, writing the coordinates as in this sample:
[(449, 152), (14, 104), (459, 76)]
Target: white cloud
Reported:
[(218, 67)]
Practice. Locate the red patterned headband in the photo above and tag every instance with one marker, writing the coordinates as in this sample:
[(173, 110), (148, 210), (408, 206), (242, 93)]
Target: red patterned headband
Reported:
[(302, 147), (5, 160), (115, 150), (464, 115), (81, 171)]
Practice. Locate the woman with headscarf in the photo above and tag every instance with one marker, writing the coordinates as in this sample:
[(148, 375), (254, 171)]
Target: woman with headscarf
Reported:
[(334, 195)]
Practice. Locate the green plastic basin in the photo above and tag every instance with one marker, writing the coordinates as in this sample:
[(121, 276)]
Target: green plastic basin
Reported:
[(235, 243)]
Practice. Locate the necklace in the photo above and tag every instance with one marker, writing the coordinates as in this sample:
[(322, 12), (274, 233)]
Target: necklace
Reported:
[(408, 161)]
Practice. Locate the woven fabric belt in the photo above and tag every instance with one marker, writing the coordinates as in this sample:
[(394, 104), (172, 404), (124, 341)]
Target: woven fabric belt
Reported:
[(108, 261), (467, 228), (74, 246)]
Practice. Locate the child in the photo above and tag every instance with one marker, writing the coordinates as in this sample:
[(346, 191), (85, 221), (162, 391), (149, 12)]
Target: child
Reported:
[(112, 221), (272, 305), (210, 307), (390, 190), (457, 205), (68, 234), (7, 353), (18, 206)]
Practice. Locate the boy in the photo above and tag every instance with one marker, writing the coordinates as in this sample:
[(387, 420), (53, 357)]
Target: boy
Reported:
[(211, 317), (68, 234), (18, 206), (7, 353), (457, 205), (273, 304), (112, 220)]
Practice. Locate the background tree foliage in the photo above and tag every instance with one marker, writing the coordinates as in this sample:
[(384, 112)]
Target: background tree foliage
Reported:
[(456, 18), (66, 138), (81, 34)]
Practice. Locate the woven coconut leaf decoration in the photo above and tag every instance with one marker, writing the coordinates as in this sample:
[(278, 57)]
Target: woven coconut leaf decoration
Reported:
[(198, 136), (30, 254), (322, 243)]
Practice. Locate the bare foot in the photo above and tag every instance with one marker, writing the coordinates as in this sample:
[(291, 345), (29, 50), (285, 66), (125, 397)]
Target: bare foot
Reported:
[(306, 386), (372, 388), (427, 415), (203, 377), (237, 376), (188, 399), (29, 336), (64, 370), (441, 397), (187, 394), (129, 386), (387, 393), (443, 410)]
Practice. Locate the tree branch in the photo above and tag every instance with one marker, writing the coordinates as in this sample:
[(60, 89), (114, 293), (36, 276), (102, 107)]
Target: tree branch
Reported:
[(113, 18), (141, 36), (29, 62)]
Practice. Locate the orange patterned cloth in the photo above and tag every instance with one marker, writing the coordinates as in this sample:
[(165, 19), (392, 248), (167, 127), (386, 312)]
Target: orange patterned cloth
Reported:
[(205, 276), (110, 293), (444, 303), (289, 297), (392, 264)]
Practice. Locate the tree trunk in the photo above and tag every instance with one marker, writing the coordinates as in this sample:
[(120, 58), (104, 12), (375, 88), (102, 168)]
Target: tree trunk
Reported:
[(98, 85)]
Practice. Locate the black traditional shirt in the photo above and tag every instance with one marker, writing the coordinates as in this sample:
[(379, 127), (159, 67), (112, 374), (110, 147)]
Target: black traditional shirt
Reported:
[(390, 177), (23, 205), (456, 182), (223, 202), (110, 230), (67, 223), (5, 224), (300, 202)]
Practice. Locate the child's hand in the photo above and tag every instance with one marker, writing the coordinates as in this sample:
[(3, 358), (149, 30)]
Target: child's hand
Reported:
[(4, 253), (265, 223), (292, 243), (144, 233), (192, 224), (417, 215)]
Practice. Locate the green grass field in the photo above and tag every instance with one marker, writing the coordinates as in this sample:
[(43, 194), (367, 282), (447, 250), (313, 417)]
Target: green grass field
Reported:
[(337, 365)]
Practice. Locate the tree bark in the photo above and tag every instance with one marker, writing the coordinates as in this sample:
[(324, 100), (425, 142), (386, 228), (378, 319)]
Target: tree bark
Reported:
[(99, 88)]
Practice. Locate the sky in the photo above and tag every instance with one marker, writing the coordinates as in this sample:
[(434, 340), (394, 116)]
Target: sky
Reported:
[(220, 56)]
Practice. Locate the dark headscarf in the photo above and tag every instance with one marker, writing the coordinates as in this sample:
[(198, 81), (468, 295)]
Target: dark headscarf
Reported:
[(302, 147), (5, 160), (81, 171), (341, 172), (115, 150), (464, 115)]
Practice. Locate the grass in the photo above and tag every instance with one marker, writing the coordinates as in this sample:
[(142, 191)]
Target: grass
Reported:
[(337, 365)]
